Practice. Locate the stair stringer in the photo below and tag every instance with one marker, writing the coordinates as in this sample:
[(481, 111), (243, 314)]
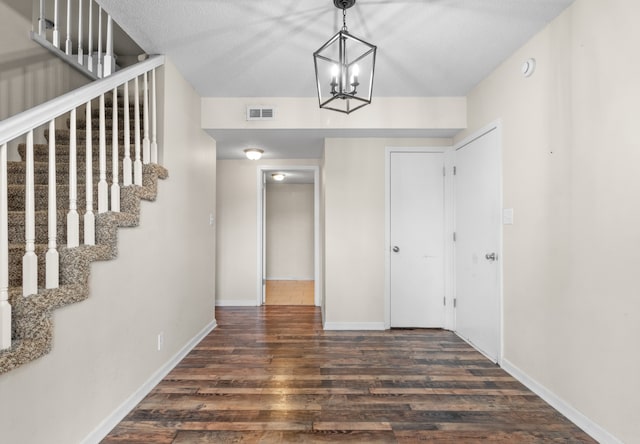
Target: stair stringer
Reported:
[(32, 327)]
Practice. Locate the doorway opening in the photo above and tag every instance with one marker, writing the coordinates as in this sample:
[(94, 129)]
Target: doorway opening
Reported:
[(288, 233)]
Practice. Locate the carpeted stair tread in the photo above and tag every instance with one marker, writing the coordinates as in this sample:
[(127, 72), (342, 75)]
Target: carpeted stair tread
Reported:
[(17, 226), (17, 177), (16, 173), (108, 112), (41, 152), (17, 198), (64, 135), (81, 124)]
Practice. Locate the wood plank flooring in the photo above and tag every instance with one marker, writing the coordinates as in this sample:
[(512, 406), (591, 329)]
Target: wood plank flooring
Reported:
[(280, 292), (272, 375)]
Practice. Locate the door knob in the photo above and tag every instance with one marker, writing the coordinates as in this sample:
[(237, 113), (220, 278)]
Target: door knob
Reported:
[(396, 249), (490, 257)]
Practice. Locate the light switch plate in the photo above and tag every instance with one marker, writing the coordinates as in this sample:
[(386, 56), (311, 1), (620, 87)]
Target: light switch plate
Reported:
[(507, 216)]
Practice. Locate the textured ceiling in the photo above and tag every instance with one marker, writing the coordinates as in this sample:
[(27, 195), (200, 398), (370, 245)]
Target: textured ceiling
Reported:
[(260, 48)]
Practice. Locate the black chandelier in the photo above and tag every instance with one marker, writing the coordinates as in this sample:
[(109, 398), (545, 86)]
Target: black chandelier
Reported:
[(344, 68)]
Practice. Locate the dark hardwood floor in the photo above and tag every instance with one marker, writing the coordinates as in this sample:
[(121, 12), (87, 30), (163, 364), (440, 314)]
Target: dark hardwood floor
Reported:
[(272, 375)]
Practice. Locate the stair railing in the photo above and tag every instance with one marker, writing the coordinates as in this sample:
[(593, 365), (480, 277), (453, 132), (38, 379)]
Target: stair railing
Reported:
[(24, 124), (50, 16)]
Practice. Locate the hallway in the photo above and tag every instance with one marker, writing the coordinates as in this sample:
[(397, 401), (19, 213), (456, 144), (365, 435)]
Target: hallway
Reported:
[(272, 375)]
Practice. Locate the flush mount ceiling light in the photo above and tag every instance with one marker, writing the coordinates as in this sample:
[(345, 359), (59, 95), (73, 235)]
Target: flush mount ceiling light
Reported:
[(278, 176), (344, 68), (253, 153)]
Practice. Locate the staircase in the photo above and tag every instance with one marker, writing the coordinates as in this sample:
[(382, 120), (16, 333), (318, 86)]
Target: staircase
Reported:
[(32, 328)]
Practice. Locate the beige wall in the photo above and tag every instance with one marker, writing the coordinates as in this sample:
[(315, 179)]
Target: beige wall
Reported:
[(29, 74), (354, 229), (237, 235), (289, 231), (162, 281), (571, 156)]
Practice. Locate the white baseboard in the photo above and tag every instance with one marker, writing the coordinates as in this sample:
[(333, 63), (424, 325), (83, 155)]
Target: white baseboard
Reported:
[(234, 303), (591, 428), (354, 326), (119, 413)]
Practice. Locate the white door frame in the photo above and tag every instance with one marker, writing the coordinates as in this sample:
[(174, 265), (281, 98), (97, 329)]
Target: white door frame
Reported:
[(494, 126), (448, 224), (261, 171)]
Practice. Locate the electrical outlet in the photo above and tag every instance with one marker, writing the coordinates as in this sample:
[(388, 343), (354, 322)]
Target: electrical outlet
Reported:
[(160, 340)]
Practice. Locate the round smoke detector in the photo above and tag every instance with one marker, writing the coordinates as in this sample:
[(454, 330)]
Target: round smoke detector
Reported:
[(528, 67)]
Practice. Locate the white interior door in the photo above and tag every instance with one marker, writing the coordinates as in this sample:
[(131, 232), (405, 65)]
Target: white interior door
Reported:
[(477, 246), (417, 240)]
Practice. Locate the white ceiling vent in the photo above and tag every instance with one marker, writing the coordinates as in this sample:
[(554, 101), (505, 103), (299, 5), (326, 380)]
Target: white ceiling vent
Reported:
[(261, 113)]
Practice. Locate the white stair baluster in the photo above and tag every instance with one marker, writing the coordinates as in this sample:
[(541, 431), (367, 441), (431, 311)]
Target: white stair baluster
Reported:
[(146, 143), (115, 186), (100, 42), (56, 32), (108, 56), (30, 260), (52, 258), (68, 46), (154, 119), (126, 163), (80, 50), (89, 217), (5, 307), (103, 188), (41, 23), (137, 164), (90, 38), (73, 219)]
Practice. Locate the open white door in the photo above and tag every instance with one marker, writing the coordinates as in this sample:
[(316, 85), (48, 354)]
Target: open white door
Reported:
[(417, 239), (477, 248)]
